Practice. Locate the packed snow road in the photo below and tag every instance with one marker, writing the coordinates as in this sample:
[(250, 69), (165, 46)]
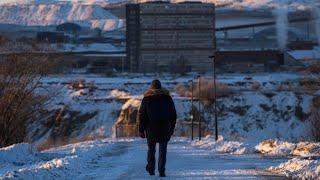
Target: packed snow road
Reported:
[(125, 159), (187, 162)]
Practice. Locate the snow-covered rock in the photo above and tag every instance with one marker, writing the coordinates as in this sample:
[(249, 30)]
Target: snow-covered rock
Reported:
[(131, 103), (298, 168), (307, 149), (126, 125), (223, 146), (275, 147), (284, 148), (119, 94)]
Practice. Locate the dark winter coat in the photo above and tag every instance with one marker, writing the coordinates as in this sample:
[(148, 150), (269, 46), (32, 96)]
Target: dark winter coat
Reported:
[(157, 115)]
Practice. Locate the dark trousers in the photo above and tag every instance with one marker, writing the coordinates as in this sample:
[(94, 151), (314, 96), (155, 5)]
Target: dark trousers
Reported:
[(162, 156)]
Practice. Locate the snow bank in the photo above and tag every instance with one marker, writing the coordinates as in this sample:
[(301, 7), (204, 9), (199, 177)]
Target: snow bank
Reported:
[(68, 162), (275, 147), (298, 168), (18, 154), (222, 146), (283, 148)]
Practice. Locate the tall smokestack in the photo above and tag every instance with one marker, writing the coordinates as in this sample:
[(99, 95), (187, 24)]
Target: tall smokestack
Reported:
[(281, 13), (316, 15)]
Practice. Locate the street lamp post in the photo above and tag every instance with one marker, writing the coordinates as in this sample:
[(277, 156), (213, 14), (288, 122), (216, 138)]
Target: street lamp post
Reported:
[(199, 106), (215, 97), (191, 114)]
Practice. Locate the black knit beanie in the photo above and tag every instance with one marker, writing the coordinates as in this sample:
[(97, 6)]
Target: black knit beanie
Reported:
[(155, 84)]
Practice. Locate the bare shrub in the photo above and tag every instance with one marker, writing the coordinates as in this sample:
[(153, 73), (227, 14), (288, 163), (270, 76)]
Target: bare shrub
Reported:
[(77, 84), (286, 87), (63, 122), (50, 143), (316, 102), (310, 83), (315, 124), (184, 90), (314, 68), (206, 91), (255, 86), (2, 40), (22, 98)]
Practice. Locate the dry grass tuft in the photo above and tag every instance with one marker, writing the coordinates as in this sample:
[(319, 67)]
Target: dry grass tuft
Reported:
[(206, 90), (80, 84), (314, 68), (315, 119)]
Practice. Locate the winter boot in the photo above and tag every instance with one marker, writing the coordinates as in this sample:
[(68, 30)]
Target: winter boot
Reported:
[(162, 174), (149, 171)]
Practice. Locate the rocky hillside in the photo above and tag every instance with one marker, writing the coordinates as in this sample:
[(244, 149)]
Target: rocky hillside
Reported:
[(89, 108)]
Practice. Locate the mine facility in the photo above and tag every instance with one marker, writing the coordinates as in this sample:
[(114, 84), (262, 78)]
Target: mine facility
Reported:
[(173, 37), (162, 34)]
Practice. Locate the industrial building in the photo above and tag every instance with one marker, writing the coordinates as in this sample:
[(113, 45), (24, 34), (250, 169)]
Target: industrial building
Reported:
[(164, 36), (249, 60)]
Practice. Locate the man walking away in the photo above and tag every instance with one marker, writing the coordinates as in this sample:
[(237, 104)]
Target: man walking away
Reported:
[(157, 120)]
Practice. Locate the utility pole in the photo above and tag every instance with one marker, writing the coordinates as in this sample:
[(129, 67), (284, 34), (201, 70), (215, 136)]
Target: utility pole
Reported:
[(199, 104), (192, 111), (215, 85), (215, 97)]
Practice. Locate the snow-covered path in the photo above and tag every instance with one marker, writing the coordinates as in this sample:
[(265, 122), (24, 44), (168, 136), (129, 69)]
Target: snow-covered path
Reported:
[(187, 162), (125, 159)]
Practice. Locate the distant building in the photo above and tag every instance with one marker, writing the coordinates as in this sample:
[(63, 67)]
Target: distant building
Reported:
[(51, 37), (249, 61), (69, 27), (303, 57), (161, 34)]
